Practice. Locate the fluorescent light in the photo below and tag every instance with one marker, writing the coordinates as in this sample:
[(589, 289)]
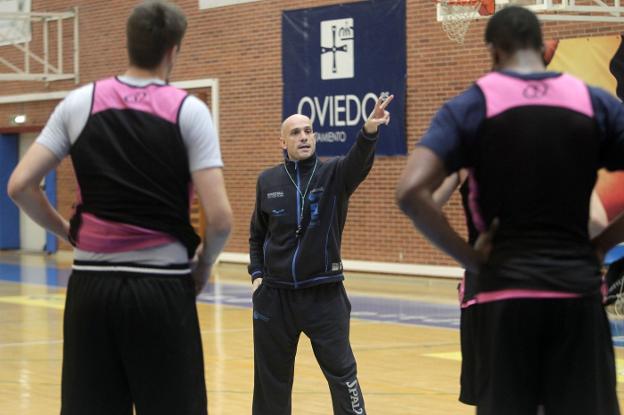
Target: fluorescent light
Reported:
[(19, 119)]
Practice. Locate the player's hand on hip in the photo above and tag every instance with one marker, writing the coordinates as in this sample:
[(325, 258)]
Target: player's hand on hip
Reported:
[(66, 230), (256, 284), (379, 115), (200, 270), (483, 245), (201, 274)]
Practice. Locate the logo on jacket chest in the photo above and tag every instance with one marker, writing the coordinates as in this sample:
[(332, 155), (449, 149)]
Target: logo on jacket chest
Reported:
[(275, 195), (278, 212)]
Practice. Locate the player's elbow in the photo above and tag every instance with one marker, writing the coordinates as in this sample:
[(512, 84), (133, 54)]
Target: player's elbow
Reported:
[(225, 224), (408, 198), (402, 196), (221, 222), (16, 187)]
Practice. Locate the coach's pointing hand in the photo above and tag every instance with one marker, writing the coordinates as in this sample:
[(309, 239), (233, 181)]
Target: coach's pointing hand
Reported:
[(378, 116)]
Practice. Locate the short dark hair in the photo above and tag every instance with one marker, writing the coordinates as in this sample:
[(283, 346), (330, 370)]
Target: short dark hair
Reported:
[(514, 28), (153, 28)]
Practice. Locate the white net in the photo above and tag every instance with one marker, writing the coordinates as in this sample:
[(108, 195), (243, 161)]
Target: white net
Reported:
[(457, 16)]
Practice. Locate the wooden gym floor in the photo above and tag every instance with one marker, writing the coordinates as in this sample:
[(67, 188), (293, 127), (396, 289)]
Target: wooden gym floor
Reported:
[(403, 332)]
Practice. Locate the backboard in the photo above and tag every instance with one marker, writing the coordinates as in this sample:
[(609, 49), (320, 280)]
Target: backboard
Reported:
[(456, 15)]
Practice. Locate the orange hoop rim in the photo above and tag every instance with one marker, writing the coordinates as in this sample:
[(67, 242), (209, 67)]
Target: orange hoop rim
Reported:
[(486, 7)]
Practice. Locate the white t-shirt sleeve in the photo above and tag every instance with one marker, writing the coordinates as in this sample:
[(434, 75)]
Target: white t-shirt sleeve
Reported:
[(67, 122), (199, 135)]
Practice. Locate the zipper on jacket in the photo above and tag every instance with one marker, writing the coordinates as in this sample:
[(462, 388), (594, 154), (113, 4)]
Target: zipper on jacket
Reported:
[(294, 260), (331, 222)]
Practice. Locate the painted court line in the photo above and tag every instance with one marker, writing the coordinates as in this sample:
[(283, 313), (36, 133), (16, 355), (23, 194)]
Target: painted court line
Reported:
[(370, 308), (55, 301), (31, 343)]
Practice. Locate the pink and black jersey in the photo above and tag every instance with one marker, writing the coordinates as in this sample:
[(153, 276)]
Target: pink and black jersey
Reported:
[(145, 198), (533, 145)]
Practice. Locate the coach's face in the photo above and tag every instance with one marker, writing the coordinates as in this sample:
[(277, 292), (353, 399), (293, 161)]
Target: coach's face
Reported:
[(297, 137)]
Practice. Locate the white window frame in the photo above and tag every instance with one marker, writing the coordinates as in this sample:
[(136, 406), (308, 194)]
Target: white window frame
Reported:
[(212, 83), (213, 4)]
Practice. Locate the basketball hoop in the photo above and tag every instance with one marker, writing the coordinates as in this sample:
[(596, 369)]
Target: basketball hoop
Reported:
[(456, 15)]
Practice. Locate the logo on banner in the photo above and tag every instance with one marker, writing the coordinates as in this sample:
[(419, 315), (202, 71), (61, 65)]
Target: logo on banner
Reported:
[(337, 49), (337, 62)]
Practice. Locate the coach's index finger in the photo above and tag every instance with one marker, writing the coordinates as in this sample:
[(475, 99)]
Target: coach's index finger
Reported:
[(385, 101)]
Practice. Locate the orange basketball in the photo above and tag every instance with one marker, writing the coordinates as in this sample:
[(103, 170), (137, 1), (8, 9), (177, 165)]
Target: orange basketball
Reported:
[(610, 190), (550, 46)]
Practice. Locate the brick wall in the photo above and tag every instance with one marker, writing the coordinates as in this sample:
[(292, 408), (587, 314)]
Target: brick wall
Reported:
[(240, 45)]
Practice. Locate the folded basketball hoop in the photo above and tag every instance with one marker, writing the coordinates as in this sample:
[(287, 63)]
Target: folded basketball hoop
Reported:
[(456, 15)]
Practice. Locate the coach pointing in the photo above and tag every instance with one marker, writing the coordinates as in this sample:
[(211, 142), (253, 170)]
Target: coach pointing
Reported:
[(296, 270)]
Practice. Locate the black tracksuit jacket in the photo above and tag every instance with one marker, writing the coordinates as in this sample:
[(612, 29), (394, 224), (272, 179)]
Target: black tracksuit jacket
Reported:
[(285, 258)]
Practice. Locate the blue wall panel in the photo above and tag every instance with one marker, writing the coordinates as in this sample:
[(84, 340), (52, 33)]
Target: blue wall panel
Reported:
[(50, 190), (9, 213)]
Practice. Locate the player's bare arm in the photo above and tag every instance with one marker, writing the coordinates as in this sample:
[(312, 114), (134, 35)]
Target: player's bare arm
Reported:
[(424, 174), (25, 190)]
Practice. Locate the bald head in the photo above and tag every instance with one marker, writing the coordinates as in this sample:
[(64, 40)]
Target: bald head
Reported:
[(295, 119), (297, 137)]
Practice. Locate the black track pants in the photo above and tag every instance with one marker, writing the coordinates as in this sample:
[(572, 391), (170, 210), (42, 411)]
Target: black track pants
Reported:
[(322, 313)]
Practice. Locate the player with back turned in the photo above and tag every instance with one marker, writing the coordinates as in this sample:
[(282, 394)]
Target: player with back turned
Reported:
[(137, 145), (532, 141)]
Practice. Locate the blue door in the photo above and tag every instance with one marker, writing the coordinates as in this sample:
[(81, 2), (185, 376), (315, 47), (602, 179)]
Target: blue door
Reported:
[(9, 214)]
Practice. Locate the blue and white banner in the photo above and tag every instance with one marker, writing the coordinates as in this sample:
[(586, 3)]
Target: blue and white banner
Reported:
[(336, 60)]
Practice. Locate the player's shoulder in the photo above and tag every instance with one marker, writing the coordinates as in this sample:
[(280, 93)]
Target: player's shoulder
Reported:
[(602, 95), (176, 97), (604, 103), (192, 105), (191, 99), (467, 103), (80, 97), (469, 97)]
